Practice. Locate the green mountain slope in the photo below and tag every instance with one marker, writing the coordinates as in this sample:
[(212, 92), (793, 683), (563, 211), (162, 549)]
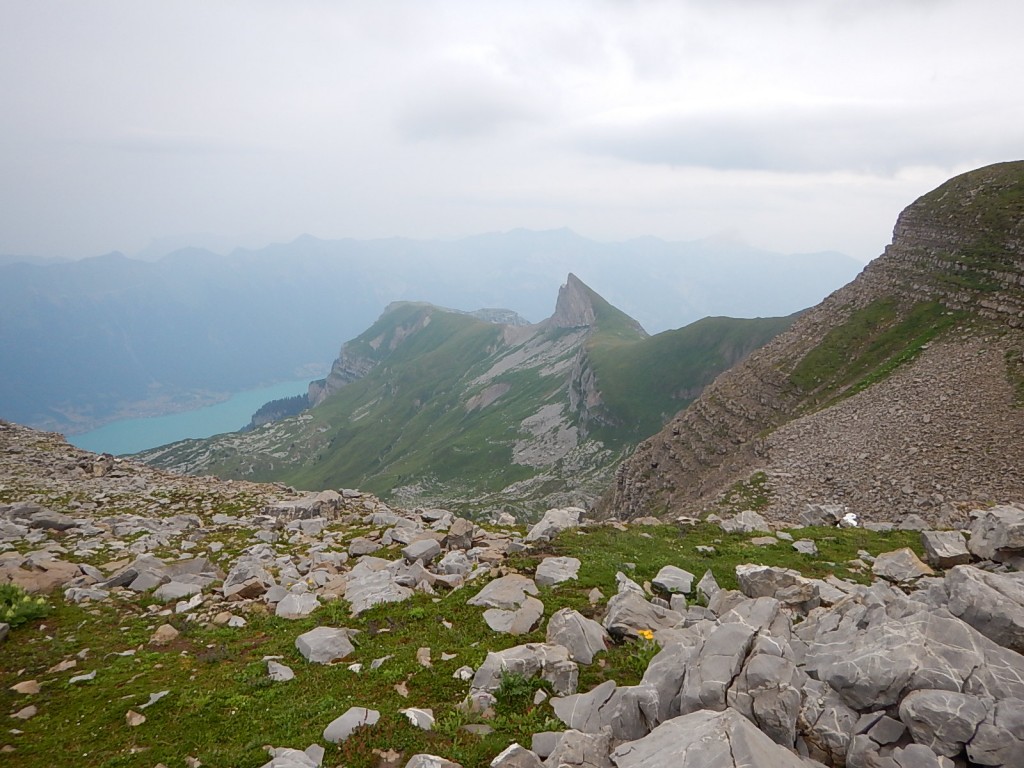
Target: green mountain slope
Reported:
[(433, 406)]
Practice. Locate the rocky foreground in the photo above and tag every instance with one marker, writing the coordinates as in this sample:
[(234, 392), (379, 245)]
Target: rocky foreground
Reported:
[(921, 667)]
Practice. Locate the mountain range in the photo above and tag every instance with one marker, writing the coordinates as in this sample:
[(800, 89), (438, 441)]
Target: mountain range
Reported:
[(901, 393), (86, 342), (480, 411)]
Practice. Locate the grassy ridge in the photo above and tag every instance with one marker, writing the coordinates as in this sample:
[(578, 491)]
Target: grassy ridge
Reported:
[(868, 347), (644, 382)]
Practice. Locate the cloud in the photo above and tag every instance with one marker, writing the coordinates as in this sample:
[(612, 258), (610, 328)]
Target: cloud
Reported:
[(455, 111), (863, 138)]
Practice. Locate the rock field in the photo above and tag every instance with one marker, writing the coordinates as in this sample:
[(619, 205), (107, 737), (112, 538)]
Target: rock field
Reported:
[(921, 668)]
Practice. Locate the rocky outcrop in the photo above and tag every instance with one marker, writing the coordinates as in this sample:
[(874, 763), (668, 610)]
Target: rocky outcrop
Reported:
[(923, 426)]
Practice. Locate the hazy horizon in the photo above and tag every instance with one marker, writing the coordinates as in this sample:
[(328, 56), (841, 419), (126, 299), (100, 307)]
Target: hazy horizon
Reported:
[(796, 126)]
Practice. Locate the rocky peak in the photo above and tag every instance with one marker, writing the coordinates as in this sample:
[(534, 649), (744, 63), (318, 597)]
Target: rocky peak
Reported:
[(575, 305)]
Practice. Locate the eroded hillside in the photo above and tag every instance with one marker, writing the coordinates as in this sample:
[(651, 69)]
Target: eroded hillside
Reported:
[(899, 393)]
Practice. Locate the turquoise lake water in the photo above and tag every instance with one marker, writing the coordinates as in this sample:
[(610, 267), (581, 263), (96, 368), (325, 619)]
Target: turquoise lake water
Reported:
[(133, 435)]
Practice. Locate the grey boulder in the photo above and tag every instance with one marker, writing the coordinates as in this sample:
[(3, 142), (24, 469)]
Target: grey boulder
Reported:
[(554, 522), (998, 533), (902, 566), (944, 549), (355, 717), (992, 603), (706, 739), (508, 592), (324, 645), (582, 636), (673, 580), (555, 570)]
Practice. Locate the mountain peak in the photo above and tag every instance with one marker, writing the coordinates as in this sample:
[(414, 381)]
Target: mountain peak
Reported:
[(579, 306), (575, 305)]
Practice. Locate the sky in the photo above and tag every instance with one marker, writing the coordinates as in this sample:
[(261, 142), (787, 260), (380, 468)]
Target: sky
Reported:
[(792, 125)]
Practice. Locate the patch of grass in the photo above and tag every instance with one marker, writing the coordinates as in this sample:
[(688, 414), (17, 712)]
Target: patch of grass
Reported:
[(875, 341), (644, 382), (752, 493)]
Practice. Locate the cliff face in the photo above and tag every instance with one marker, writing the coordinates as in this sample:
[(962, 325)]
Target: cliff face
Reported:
[(944, 305)]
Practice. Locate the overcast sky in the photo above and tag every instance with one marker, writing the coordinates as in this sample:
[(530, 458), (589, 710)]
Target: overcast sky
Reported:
[(795, 125)]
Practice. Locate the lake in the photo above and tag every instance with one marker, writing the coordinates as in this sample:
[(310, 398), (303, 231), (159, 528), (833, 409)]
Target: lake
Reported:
[(133, 435)]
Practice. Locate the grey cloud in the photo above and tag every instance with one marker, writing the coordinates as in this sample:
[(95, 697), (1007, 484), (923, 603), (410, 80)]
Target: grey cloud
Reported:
[(174, 144), (871, 139), (469, 109)]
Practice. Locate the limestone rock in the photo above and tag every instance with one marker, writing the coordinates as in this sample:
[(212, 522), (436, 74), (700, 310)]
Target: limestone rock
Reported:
[(998, 533), (164, 635), (423, 551), (279, 673), (575, 749), (355, 717), (784, 584), (517, 622), (324, 645), (555, 570), (992, 603), (551, 662), (516, 756), (370, 584), (583, 637), (875, 657), (673, 580), (553, 522), (460, 534), (508, 592), (944, 549), (420, 718), (902, 566), (943, 721), (999, 740), (430, 761), (361, 545), (627, 713), (708, 739), (295, 606), (628, 612)]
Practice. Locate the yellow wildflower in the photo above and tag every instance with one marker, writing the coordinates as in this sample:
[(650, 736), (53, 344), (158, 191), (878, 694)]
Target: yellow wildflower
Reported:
[(646, 634)]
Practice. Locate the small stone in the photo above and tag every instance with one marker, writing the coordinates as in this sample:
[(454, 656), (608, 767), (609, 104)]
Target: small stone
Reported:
[(26, 713), (421, 718), (164, 634), (27, 687), (279, 673), (83, 678), (423, 657), (342, 727), (134, 719), (806, 547)]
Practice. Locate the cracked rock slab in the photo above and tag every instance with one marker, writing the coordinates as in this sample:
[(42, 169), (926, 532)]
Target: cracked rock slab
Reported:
[(706, 739)]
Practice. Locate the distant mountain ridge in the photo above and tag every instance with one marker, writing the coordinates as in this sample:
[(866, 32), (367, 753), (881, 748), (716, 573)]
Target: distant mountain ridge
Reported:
[(901, 393), (110, 337), (430, 406)]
